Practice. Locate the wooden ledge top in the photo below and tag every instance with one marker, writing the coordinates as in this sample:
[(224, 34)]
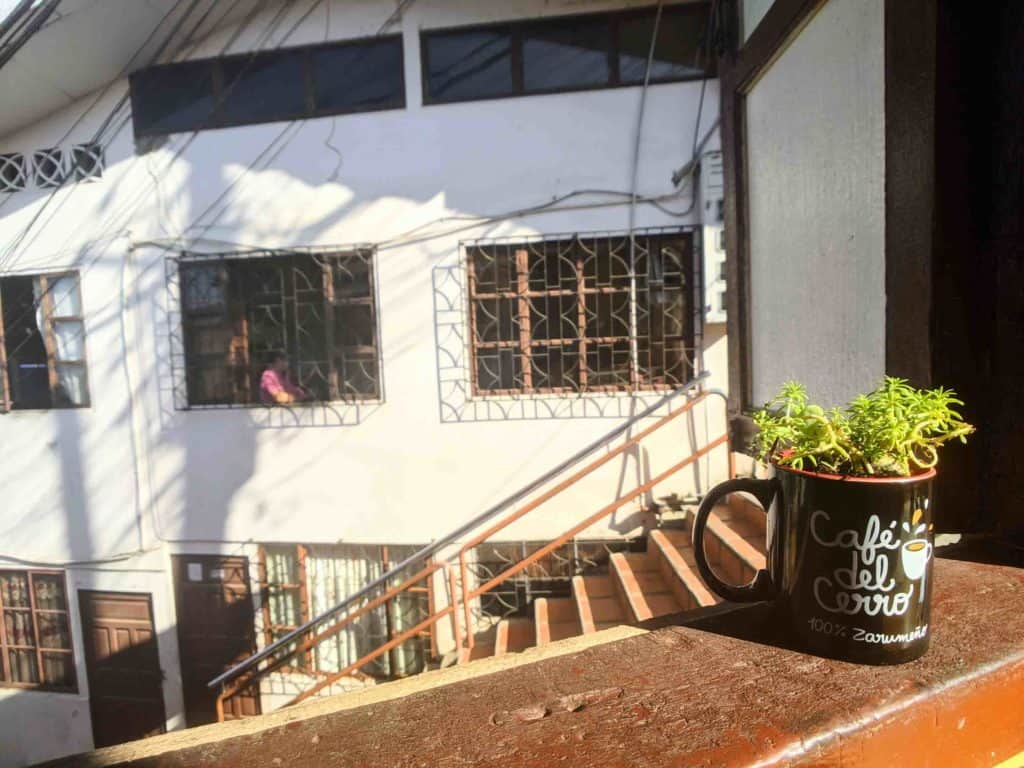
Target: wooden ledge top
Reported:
[(687, 696)]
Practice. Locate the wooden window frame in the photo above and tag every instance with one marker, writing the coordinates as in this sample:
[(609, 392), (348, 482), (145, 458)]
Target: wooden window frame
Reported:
[(49, 343), (515, 29), (216, 119), (301, 588), (692, 271), (30, 575)]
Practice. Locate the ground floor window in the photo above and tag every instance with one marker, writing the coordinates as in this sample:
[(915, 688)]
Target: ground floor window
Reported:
[(42, 343), (303, 581), (35, 634), (315, 312), (583, 313)]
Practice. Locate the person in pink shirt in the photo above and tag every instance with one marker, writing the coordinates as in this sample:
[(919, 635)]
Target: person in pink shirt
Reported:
[(275, 386)]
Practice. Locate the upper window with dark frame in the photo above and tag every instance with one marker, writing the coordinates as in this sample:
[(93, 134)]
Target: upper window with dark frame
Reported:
[(35, 633), (564, 54), (317, 309), (285, 84), (42, 343), (570, 315)]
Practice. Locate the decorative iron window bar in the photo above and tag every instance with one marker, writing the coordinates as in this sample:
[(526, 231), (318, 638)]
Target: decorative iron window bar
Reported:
[(318, 308), (583, 313)]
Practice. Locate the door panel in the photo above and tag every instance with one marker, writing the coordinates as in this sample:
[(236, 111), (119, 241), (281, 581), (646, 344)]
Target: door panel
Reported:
[(215, 631), (125, 680)]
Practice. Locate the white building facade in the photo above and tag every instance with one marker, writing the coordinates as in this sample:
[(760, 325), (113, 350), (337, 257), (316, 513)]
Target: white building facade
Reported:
[(427, 211)]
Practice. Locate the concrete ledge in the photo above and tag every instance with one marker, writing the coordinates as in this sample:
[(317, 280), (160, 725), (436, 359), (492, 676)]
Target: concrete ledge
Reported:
[(676, 696), (145, 751)]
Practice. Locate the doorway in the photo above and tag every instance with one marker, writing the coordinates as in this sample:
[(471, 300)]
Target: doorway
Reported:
[(215, 631), (126, 697)]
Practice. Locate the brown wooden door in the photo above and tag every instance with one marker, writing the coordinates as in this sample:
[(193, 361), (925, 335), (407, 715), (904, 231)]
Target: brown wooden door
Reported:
[(215, 631), (126, 697)]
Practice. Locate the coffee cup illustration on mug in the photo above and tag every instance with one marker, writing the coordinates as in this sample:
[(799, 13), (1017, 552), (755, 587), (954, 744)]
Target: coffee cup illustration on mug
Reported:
[(915, 554)]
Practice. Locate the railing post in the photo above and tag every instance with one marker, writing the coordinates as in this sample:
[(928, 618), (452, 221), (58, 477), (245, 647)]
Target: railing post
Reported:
[(464, 578), (453, 596), (220, 706)]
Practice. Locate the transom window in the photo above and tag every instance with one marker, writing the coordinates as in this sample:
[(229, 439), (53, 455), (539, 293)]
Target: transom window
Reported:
[(564, 315), (35, 636), (318, 309), (286, 84), (42, 343), (564, 54)]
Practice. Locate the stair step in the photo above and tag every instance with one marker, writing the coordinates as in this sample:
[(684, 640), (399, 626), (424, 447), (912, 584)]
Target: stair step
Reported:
[(676, 562), (555, 618), (597, 599), (735, 546), (737, 557), (642, 586), (739, 511), (521, 634)]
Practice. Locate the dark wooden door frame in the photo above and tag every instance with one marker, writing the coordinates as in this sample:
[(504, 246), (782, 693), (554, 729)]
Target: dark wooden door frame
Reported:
[(910, 35)]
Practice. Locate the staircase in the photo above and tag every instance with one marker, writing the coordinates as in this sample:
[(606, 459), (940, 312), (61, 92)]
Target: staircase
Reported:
[(638, 586), (628, 587)]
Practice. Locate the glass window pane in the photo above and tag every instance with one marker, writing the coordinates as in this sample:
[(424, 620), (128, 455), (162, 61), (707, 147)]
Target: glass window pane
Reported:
[(469, 65), (53, 630), (18, 628), (173, 98), (675, 52), (49, 589), (64, 295), (58, 669), (203, 286), (23, 666), (350, 78), (71, 381), (14, 589), (571, 53), (70, 336), (262, 88)]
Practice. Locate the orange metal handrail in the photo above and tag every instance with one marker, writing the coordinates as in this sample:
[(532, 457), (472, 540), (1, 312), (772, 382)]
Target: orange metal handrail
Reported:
[(463, 634)]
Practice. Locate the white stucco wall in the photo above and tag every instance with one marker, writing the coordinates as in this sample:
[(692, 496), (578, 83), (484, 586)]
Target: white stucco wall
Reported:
[(815, 154), (133, 472)]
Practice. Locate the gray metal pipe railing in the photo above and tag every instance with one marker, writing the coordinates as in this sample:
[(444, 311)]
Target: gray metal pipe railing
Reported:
[(452, 537)]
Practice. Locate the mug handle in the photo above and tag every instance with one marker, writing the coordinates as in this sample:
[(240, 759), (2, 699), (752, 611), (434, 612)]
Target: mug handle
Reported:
[(761, 587)]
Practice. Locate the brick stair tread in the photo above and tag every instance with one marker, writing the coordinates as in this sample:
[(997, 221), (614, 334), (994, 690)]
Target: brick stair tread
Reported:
[(637, 572), (681, 562)]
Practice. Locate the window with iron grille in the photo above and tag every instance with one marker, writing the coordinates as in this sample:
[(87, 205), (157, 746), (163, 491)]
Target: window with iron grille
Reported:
[(301, 581), (35, 634), (42, 343), (582, 314), (318, 309)]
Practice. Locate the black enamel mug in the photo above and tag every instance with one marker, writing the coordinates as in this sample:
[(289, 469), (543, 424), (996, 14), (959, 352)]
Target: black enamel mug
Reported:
[(849, 561)]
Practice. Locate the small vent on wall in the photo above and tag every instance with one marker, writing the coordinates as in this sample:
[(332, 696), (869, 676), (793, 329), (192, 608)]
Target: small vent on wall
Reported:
[(13, 173), (48, 167), (87, 161)]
